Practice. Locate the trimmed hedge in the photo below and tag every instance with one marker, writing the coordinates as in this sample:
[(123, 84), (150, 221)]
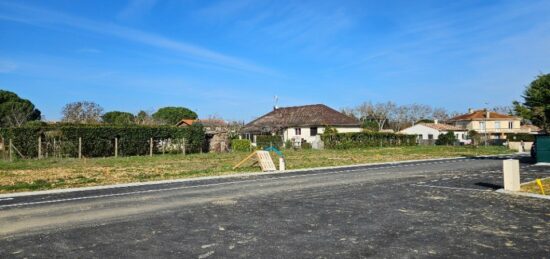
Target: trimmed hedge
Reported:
[(240, 145), (98, 140), (367, 139), (520, 137), (263, 141)]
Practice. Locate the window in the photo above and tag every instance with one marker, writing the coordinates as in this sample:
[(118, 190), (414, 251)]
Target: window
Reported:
[(510, 124), (420, 136), (497, 124), (457, 136), (297, 131), (482, 125), (430, 136), (313, 131)]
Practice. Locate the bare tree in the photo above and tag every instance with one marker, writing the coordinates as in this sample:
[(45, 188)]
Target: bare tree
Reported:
[(234, 128), (380, 112), (351, 112), (506, 109), (440, 114), (419, 112), (145, 118), (82, 112), (400, 118)]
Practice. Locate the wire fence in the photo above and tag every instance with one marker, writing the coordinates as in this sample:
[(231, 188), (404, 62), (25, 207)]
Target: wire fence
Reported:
[(85, 148)]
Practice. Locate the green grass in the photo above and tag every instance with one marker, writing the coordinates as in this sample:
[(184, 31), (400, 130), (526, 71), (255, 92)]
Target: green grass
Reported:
[(534, 188), (24, 175)]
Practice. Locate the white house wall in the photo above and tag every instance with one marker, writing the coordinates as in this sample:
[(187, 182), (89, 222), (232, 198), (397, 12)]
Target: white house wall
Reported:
[(289, 133), (426, 131), (421, 130)]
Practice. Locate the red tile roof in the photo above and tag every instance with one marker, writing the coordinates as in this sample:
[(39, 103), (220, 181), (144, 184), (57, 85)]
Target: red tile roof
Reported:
[(443, 127), (481, 115), (204, 122)]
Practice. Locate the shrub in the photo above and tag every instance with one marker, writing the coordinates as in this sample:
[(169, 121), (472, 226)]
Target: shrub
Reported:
[(263, 141), (288, 144), (366, 139), (98, 140), (306, 145), (240, 145), (446, 139)]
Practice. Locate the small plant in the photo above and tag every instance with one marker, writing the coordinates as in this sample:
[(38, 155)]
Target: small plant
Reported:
[(288, 144), (242, 145)]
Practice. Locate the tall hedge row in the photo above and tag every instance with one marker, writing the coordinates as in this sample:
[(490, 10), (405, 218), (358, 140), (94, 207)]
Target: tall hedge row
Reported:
[(99, 140), (269, 140), (517, 137), (366, 139)]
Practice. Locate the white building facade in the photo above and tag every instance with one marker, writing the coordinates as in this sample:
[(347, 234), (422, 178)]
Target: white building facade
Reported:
[(427, 132)]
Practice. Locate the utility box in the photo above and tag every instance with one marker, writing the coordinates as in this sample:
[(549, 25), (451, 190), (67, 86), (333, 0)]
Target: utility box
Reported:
[(542, 148)]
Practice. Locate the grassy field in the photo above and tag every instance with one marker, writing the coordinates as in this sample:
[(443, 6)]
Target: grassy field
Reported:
[(24, 175), (534, 188)]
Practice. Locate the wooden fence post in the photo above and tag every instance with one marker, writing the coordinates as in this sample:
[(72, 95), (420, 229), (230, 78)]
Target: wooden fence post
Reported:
[(151, 147), (79, 148), (116, 147), (39, 147), (183, 146), (11, 150), (54, 148)]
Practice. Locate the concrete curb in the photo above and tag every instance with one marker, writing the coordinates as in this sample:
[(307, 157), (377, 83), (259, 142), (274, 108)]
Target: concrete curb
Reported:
[(526, 194), (114, 186)]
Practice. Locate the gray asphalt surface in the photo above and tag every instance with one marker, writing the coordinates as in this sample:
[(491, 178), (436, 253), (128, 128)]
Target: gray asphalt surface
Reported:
[(447, 208)]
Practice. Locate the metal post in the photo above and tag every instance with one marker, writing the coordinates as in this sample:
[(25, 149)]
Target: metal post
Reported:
[(151, 147), (39, 147), (79, 148), (116, 147)]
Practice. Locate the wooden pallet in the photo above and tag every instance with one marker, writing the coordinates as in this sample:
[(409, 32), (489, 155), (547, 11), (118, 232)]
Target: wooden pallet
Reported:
[(263, 158)]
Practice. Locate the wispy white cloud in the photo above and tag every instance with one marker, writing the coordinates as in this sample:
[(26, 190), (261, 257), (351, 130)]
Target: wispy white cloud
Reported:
[(136, 8), (7, 66), (311, 26), (42, 17)]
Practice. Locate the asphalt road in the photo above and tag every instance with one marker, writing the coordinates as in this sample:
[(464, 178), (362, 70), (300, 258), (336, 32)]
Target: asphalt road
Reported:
[(446, 208)]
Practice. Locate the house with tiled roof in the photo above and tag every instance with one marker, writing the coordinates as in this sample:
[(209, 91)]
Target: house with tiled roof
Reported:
[(494, 124), (428, 133), (300, 123)]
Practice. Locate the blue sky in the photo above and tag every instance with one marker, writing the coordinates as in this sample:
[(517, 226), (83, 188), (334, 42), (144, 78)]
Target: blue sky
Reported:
[(229, 58)]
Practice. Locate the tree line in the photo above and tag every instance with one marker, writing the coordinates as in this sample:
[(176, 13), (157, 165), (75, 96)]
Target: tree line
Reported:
[(389, 115), (90, 113), (16, 112), (535, 109)]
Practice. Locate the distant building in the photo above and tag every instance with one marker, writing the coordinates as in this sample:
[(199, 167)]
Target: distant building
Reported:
[(495, 125), (216, 131), (300, 123), (428, 133)]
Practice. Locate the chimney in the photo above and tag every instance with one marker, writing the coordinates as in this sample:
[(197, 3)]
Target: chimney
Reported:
[(487, 114), (436, 121), (470, 110)]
